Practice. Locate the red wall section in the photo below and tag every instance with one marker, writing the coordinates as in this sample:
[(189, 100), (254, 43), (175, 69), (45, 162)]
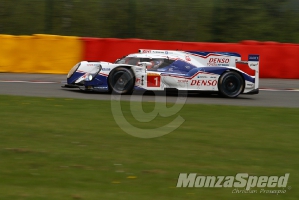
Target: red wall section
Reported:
[(57, 54), (277, 60), (109, 49)]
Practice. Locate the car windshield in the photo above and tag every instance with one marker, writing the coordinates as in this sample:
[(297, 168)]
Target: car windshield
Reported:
[(156, 62), (128, 60)]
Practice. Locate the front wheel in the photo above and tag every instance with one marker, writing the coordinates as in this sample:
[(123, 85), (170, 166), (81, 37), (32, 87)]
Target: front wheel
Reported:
[(231, 84), (121, 81)]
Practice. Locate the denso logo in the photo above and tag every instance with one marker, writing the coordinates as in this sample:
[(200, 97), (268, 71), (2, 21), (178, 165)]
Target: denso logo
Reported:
[(219, 60), (204, 82)]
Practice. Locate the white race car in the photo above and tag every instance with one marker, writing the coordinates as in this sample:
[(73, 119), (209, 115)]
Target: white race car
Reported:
[(158, 70)]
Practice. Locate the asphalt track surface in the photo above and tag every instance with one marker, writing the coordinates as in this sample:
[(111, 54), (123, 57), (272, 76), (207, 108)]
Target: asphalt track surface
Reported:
[(273, 93)]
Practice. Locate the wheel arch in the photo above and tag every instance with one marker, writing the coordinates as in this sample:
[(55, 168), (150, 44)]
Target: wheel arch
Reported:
[(237, 71), (129, 67)]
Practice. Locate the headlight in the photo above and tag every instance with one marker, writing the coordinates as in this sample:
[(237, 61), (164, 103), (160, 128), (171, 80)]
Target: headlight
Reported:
[(93, 73), (89, 77), (72, 71)]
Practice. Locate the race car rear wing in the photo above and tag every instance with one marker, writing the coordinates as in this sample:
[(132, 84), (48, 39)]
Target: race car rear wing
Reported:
[(253, 63)]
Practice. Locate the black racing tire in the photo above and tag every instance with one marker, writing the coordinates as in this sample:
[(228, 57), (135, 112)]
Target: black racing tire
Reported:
[(231, 84), (121, 81)]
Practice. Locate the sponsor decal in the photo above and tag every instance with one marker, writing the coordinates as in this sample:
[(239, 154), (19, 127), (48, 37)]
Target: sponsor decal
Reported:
[(204, 82), (219, 60), (138, 69), (241, 182), (158, 51), (187, 58), (146, 51), (253, 58), (253, 64), (101, 87), (90, 64), (202, 77), (138, 80), (105, 69), (182, 81)]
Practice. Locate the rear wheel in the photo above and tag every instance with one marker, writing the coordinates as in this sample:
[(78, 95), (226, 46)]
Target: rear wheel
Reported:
[(121, 81), (231, 84)]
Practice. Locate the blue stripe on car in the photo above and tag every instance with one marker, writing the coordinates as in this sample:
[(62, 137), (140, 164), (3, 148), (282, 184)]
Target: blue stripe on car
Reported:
[(202, 53), (74, 77)]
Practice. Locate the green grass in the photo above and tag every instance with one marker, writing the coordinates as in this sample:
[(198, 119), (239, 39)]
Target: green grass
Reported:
[(73, 149)]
